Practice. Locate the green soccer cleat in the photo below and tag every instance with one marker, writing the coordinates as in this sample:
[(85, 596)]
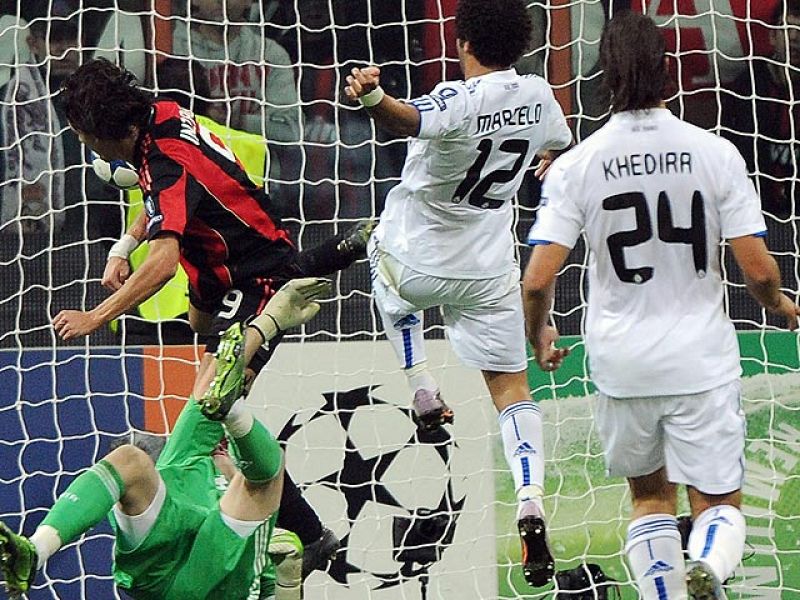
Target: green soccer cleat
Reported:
[(17, 561), (229, 380)]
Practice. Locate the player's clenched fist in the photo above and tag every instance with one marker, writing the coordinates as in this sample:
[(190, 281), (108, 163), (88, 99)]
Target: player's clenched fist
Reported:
[(361, 82), (116, 272)]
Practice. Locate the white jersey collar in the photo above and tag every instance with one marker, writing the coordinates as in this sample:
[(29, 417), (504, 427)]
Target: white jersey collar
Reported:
[(503, 75), (649, 114)]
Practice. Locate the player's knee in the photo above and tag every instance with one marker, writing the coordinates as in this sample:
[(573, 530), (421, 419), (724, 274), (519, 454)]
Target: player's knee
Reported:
[(132, 463)]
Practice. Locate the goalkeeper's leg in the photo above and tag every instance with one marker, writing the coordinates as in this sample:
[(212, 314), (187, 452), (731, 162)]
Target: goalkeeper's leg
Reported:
[(126, 475)]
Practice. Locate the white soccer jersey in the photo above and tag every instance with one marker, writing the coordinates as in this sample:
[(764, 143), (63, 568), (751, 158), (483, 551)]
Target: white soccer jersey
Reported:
[(655, 197), (451, 214)]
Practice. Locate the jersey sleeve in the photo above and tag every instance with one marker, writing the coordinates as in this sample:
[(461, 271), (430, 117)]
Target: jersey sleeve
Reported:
[(168, 207), (559, 135), (443, 112), (740, 207), (560, 219)]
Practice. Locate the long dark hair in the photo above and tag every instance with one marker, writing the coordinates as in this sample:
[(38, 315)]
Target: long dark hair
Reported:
[(104, 101), (632, 59)]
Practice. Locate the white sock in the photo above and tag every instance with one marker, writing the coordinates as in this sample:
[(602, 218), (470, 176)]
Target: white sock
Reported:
[(239, 421), (656, 558), (419, 378), (47, 542), (717, 539), (523, 444), (406, 337)]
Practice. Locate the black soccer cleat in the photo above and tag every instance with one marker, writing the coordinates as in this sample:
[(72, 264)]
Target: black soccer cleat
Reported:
[(430, 411), (318, 554), (354, 241), (538, 565)]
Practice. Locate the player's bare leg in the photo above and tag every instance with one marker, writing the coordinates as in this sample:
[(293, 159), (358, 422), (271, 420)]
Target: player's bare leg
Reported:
[(523, 443)]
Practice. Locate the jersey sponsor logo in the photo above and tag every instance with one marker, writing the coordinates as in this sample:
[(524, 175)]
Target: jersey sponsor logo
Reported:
[(636, 165), (520, 116), (659, 567)]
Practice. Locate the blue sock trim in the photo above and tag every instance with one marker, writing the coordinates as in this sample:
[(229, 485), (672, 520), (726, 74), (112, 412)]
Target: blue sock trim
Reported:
[(710, 535), (526, 471), (524, 406), (661, 588), (408, 350)]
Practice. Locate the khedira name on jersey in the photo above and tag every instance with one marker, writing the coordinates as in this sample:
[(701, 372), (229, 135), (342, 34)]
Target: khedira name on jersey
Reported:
[(635, 165)]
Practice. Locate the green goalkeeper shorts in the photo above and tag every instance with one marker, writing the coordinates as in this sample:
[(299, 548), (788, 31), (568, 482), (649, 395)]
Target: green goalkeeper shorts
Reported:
[(190, 553)]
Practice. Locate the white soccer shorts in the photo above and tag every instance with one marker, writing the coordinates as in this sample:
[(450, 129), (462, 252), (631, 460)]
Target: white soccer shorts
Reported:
[(698, 437), (483, 317)]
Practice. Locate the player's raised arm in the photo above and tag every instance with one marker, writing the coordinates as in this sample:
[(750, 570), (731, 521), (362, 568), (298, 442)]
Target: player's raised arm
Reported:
[(363, 85)]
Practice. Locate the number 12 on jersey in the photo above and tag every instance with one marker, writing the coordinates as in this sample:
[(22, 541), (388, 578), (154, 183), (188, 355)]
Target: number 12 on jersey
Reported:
[(694, 235), (475, 189)]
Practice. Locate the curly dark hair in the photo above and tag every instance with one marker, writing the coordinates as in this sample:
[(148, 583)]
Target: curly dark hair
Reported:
[(632, 59), (104, 101), (499, 31)]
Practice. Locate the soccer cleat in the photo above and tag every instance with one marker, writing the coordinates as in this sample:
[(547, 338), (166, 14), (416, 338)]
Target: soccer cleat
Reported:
[(701, 582), (17, 561), (355, 240), (430, 411), (318, 554), (538, 565), (229, 380)]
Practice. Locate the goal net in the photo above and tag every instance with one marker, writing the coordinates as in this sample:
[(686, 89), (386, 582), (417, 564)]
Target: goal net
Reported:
[(419, 516)]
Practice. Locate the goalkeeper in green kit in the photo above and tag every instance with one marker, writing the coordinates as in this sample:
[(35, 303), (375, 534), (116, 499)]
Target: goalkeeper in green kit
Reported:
[(178, 535)]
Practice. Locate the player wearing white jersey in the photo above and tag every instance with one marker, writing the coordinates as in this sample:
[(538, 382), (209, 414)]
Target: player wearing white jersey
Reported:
[(445, 237), (655, 197)]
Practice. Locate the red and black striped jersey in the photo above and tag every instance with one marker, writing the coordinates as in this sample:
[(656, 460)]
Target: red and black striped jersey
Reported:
[(195, 188)]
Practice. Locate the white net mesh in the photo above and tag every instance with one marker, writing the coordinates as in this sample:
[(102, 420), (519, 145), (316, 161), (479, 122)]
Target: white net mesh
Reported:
[(276, 69)]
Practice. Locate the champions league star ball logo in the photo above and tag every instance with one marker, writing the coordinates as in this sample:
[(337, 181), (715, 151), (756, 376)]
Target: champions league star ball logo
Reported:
[(394, 485)]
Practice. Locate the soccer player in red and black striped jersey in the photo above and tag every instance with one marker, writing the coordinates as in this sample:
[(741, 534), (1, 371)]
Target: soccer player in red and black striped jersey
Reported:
[(201, 210)]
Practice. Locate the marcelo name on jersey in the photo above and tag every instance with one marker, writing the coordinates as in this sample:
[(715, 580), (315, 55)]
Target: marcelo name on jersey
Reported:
[(520, 115)]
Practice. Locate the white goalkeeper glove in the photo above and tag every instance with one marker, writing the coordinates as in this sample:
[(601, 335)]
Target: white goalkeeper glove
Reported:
[(292, 305), (286, 552)]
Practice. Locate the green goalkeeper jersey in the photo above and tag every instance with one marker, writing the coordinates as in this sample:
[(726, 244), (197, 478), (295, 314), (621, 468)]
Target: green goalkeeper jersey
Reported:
[(190, 553)]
